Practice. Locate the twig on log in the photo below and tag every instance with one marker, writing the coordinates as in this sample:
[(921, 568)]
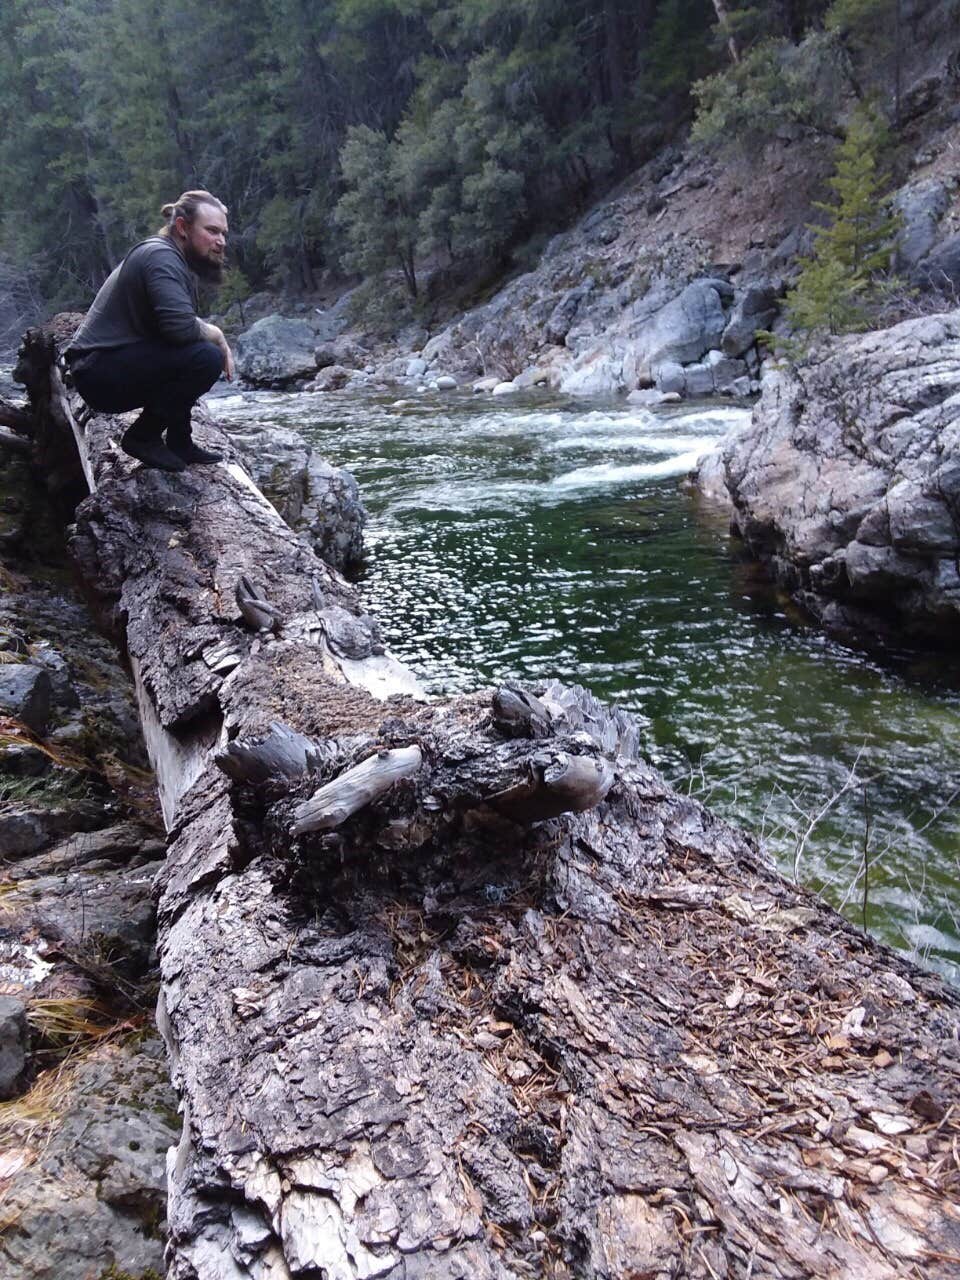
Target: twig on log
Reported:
[(354, 789)]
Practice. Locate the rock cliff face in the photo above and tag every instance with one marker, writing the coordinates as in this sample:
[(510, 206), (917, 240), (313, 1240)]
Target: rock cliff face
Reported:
[(848, 480), (647, 291)]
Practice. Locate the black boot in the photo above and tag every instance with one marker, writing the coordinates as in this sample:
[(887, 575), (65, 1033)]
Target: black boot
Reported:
[(143, 440), (191, 452), (180, 442)]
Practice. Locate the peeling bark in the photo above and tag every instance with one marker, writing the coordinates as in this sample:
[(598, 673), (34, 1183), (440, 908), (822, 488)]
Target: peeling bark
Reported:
[(442, 1040)]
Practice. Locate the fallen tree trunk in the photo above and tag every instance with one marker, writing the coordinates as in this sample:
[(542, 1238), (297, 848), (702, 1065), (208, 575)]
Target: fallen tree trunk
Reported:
[(463, 989)]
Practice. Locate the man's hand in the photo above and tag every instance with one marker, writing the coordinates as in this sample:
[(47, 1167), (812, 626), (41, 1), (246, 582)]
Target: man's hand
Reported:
[(212, 334)]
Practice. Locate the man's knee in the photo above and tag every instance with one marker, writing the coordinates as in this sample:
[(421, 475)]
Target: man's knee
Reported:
[(206, 361)]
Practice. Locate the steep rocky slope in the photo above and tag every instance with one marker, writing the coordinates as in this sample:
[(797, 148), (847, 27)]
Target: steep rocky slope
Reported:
[(664, 285)]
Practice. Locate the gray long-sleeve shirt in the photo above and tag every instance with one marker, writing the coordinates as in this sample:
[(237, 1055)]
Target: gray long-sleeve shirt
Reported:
[(151, 294)]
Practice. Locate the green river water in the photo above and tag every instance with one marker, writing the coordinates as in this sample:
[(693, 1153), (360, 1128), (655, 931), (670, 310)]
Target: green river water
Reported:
[(538, 537)]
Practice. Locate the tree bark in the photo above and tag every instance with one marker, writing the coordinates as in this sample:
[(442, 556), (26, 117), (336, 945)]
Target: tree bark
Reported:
[(448, 1038), (723, 22)]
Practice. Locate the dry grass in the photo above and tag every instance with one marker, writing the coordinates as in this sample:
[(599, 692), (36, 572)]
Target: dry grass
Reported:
[(13, 733), (40, 1107), (66, 1022)]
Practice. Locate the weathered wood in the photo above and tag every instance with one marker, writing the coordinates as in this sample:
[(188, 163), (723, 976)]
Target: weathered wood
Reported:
[(282, 754), (353, 790), (438, 1042), (255, 611), (557, 784)]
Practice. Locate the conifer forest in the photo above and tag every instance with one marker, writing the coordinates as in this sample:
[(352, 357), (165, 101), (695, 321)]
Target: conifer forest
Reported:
[(371, 135)]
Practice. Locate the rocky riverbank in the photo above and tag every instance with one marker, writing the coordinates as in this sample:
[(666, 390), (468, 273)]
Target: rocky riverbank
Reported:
[(843, 485), (847, 482)]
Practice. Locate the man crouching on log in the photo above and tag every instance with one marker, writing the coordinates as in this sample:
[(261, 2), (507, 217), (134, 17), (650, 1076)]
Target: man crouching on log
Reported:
[(142, 345)]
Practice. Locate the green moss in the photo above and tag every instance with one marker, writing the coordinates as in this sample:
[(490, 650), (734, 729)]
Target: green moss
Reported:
[(50, 790), (113, 1272)]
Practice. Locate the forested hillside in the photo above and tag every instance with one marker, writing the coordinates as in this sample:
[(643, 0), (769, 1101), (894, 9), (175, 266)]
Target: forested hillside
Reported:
[(372, 135)]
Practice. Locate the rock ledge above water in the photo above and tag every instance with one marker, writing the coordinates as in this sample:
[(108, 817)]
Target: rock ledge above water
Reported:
[(848, 481)]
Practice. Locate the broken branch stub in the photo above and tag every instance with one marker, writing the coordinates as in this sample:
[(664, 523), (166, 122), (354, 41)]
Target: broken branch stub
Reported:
[(354, 789), (557, 784), (283, 753), (257, 612)]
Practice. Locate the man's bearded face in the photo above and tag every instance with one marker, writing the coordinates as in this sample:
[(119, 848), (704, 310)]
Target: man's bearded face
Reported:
[(204, 242)]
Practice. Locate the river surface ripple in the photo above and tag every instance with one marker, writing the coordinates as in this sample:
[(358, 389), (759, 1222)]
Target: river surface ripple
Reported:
[(541, 537)]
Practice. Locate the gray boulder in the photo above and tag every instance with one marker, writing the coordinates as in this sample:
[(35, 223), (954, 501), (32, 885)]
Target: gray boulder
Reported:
[(91, 1199), (669, 377), (726, 370), (535, 376), (14, 1040), (599, 373), (276, 351), (740, 387), (342, 351), (321, 502), (25, 694), (755, 308), (648, 396), (334, 378), (680, 331), (698, 380), (847, 481), (686, 328), (940, 269), (921, 206)]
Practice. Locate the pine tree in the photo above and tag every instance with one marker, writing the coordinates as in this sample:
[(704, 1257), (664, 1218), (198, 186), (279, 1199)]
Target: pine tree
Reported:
[(852, 249)]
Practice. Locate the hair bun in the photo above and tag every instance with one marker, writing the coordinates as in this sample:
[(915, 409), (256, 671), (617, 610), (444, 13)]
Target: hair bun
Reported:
[(167, 210)]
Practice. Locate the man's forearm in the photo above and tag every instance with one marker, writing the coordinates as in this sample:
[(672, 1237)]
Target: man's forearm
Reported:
[(210, 333)]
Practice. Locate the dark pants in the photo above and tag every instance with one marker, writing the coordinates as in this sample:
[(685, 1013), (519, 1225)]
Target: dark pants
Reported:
[(164, 380)]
